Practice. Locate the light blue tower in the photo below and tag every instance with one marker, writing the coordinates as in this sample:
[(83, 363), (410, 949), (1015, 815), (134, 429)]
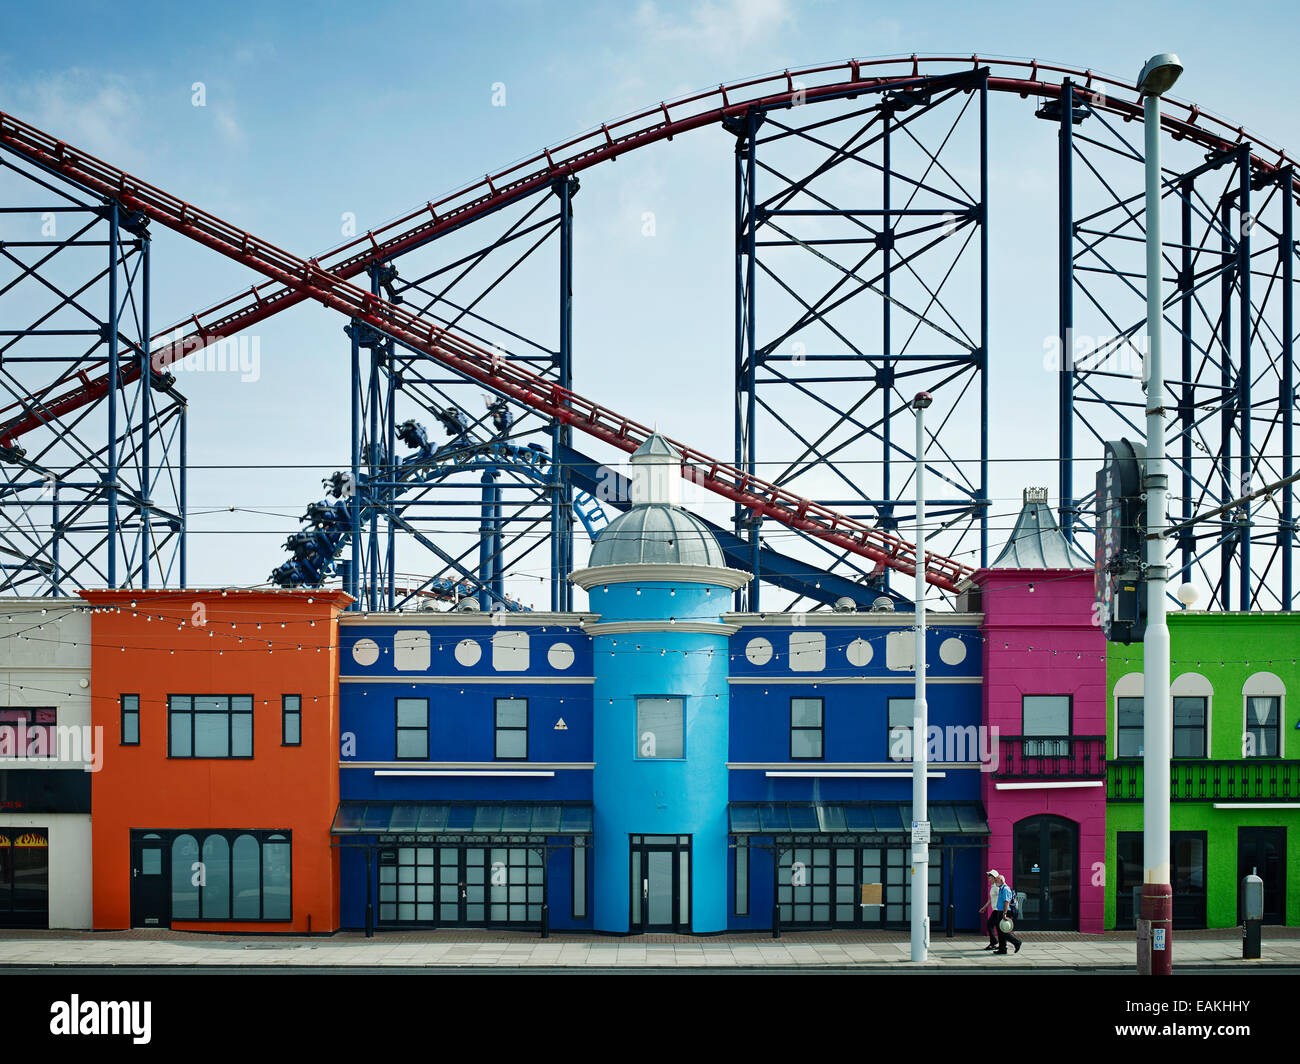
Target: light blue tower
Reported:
[(660, 585)]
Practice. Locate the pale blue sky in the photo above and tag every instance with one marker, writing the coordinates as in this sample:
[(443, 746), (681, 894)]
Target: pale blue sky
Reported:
[(316, 110)]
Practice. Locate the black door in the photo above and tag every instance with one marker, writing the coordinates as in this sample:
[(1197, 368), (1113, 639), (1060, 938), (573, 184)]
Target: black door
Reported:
[(1045, 868), (150, 881), (660, 883), (1263, 851), (24, 877)]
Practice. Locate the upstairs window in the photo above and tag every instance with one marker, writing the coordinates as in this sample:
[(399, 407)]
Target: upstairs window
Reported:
[(210, 726), (130, 706), (412, 729), (806, 729), (291, 720), (511, 729)]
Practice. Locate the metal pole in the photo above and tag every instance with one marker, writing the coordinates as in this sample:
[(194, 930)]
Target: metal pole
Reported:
[(1157, 895), (920, 844), (146, 419), (1286, 393), (354, 503), (114, 386), (1065, 308)]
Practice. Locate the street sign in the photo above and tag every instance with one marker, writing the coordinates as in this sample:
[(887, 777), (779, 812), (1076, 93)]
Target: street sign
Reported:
[(920, 832), (1121, 543)]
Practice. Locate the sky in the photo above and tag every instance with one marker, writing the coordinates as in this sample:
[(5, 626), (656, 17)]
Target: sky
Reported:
[(315, 112)]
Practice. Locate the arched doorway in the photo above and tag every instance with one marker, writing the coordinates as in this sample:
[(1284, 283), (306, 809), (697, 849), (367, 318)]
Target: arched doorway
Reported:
[(1045, 868)]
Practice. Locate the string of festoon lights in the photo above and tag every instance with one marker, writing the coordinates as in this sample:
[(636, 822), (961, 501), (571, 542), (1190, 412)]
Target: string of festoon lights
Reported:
[(251, 642)]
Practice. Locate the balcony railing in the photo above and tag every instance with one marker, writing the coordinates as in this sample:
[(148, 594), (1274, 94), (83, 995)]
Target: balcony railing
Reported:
[(1051, 757), (1200, 780)]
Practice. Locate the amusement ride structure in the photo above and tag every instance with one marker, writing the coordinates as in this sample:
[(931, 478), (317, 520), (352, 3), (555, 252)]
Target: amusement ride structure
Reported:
[(861, 277)]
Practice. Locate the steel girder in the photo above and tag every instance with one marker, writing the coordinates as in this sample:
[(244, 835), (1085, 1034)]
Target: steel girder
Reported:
[(861, 278), (93, 496), (1229, 286)]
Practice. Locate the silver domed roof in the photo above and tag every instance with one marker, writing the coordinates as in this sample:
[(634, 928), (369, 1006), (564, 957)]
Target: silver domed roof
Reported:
[(656, 534)]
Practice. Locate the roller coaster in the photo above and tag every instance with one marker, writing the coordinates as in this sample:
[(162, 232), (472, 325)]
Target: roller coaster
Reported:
[(850, 295)]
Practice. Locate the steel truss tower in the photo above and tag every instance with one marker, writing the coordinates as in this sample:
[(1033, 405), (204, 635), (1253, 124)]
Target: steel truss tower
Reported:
[(1230, 399), (861, 278), (497, 518), (94, 496)]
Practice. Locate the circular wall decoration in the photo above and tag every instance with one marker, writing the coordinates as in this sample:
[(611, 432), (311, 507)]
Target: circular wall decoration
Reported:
[(952, 651), (758, 650), (365, 651), (560, 656), (468, 652), (858, 652)]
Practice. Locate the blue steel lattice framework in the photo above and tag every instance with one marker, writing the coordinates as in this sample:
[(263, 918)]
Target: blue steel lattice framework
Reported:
[(848, 302), (93, 496), (515, 511), (1229, 265)]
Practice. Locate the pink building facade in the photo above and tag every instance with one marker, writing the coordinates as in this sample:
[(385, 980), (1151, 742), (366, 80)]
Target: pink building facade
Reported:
[(1045, 693)]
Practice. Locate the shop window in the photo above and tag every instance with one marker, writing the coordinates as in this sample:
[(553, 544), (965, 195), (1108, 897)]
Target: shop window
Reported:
[(241, 875)]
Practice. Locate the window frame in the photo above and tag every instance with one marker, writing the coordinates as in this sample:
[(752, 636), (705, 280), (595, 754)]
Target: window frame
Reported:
[(263, 837), (636, 738), (579, 875), (889, 729), (820, 729), (49, 728), (1120, 729), (1061, 740), (285, 714), (498, 728), (230, 727), (740, 894), (123, 711), (1203, 728), (398, 728)]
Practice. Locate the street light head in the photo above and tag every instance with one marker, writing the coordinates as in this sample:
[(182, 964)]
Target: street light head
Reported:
[(1159, 74), (922, 400)]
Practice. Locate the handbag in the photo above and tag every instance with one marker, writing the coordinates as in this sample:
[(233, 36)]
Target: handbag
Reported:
[(1005, 925)]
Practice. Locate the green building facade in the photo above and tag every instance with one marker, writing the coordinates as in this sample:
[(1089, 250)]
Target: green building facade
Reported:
[(1235, 774)]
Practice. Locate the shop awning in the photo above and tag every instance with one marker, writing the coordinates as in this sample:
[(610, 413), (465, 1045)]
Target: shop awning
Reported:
[(853, 818), (462, 818)]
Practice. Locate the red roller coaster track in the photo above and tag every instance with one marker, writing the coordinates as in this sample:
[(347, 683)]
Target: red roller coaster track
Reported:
[(324, 278)]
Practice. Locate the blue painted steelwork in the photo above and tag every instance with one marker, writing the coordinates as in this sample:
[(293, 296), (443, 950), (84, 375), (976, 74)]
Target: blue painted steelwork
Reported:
[(95, 496), (818, 412), (1234, 338)]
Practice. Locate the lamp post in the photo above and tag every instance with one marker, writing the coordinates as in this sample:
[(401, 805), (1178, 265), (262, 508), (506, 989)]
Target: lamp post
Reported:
[(1155, 927), (920, 924)]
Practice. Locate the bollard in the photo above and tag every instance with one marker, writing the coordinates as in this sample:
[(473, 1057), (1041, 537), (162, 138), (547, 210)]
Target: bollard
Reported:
[(776, 921), (370, 920), (546, 921), (952, 919), (1252, 916), (1155, 953)]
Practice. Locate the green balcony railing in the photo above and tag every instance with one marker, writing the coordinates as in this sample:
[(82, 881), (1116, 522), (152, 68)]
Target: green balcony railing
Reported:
[(1199, 780)]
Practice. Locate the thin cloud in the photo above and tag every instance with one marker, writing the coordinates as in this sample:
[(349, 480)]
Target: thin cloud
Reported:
[(716, 26)]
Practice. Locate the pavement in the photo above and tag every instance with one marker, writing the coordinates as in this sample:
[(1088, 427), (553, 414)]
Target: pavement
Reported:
[(482, 949)]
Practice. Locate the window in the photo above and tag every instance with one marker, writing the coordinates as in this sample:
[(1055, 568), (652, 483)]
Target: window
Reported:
[(805, 728), (511, 729), (742, 877), (660, 728), (231, 875), (899, 740), (1189, 725), (210, 725), (130, 720), (291, 720), (1044, 715), (1128, 736), (1263, 726), (412, 729), (28, 733)]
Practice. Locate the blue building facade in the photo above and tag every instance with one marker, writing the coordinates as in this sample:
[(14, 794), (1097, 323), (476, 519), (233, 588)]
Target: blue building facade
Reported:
[(657, 763)]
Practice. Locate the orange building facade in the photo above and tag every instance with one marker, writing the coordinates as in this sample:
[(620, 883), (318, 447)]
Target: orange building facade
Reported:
[(219, 783)]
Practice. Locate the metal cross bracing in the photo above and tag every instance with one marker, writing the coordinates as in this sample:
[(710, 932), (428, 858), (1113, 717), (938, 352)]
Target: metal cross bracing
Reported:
[(292, 280), (94, 495), (1229, 284), (861, 279), (503, 376), (501, 514)]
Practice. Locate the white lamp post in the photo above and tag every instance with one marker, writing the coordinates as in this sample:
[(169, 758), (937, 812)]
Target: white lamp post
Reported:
[(1155, 948), (920, 923)]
